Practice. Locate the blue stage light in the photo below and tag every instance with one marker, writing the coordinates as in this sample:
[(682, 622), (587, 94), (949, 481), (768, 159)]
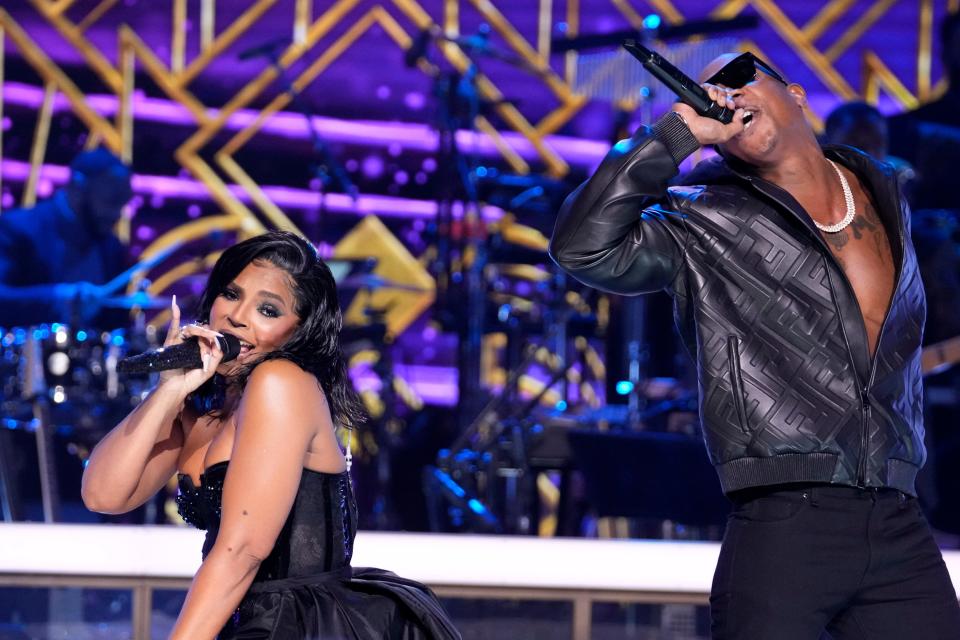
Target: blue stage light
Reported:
[(449, 483), (652, 21), (562, 405), (624, 387), (476, 506), (81, 335)]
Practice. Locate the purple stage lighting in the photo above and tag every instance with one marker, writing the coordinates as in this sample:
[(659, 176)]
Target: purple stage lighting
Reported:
[(161, 187), (408, 136)]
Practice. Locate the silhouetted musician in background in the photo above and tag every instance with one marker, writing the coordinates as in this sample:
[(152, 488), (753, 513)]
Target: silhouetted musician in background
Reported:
[(928, 137), (53, 255), (861, 125)]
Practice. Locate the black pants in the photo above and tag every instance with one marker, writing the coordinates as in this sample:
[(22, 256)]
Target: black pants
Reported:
[(860, 564)]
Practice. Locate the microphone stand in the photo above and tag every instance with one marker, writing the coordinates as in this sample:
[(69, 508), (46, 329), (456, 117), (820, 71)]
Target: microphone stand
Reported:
[(329, 171), (461, 294), (472, 247)]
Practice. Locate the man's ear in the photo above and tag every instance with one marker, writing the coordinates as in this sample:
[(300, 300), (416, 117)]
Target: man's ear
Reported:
[(798, 94)]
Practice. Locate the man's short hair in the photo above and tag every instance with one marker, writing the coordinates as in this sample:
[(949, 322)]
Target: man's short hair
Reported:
[(850, 112), (96, 162)]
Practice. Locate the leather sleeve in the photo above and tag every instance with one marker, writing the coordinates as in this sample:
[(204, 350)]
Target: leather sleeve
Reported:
[(614, 232)]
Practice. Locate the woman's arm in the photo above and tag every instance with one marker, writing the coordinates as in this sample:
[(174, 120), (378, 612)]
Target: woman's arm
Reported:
[(140, 454), (137, 457), (276, 421)]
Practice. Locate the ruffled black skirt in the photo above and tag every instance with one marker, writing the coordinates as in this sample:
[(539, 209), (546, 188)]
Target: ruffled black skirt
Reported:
[(350, 604)]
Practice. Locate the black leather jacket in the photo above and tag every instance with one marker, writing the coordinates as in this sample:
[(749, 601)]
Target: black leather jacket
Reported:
[(788, 390)]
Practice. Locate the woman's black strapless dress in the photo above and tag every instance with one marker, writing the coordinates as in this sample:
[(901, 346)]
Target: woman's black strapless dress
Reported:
[(306, 587)]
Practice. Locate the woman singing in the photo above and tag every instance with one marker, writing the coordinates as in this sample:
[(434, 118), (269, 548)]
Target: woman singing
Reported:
[(260, 467)]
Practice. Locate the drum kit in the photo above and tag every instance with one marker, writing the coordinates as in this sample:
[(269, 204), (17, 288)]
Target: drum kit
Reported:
[(60, 383), (74, 370), (63, 379)]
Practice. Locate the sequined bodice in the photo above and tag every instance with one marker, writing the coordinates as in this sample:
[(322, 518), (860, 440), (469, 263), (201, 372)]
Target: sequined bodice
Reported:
[(317, 536)]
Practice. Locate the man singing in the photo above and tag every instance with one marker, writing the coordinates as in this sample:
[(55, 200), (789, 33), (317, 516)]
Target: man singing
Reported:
[(796, 291)]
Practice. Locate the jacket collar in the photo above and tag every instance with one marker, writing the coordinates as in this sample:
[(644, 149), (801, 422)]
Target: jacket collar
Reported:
[(878, 178)]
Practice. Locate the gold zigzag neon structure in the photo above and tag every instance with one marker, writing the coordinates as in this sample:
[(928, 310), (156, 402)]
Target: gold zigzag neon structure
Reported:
[(175, 77)]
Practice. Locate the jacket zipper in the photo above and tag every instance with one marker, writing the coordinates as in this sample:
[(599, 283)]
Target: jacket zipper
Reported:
[(865, 392), (866, 409)]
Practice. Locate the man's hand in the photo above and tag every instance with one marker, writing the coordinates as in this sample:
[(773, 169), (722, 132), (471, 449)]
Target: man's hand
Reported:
[(707, 130)]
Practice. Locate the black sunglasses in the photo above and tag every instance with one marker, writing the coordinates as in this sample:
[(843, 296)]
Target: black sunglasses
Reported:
[(741, 71)]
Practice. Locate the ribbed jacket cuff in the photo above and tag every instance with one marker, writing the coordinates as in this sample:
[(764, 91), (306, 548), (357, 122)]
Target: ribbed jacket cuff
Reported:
[(673, 132)]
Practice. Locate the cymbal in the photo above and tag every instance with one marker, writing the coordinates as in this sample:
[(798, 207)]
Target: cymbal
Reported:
[(529, 272), (142, 300), (344, 267), (491, 176), (372, 281), (144, 265), (479, 45)]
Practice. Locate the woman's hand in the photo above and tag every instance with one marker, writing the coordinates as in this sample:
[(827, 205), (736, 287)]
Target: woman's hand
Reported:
[(185, 381), (707, 130)]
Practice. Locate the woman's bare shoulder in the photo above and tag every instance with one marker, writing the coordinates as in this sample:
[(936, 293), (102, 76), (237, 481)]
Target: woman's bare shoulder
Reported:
[(284, 378)]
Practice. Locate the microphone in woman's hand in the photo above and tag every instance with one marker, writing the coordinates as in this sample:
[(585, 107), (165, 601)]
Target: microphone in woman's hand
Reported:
[(185, 355)]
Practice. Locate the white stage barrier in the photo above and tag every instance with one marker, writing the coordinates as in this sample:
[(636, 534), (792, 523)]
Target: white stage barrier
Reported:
[(582, 570), (436, 559)]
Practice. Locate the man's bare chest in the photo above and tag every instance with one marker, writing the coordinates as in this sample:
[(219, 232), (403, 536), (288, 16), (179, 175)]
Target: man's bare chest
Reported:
[(864, 253)]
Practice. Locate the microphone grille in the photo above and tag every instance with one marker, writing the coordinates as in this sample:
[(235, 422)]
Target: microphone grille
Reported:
[(230, 345)]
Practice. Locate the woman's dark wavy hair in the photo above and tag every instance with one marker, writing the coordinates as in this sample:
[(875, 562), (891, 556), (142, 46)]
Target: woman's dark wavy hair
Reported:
[(315, 344)]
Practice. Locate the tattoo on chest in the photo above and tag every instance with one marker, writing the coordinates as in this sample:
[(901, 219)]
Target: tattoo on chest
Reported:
[(864, 223), (838, 240), (866, 226)]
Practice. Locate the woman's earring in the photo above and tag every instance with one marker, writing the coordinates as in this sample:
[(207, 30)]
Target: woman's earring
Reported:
[(348, 456)]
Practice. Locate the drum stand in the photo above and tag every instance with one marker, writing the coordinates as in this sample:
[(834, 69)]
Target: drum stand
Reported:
[(9, 496), (34, 391), (486, 473)]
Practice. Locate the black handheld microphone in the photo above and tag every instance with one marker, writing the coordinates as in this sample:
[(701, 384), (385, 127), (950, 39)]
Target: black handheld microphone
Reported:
[(418, 48), (185, 355), (269, 49), (680, 83)]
